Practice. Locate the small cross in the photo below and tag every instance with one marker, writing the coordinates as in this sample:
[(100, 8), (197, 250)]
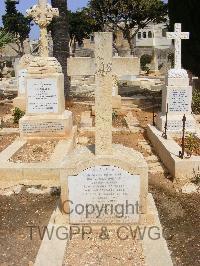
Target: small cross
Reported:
[(43, 14), (177, 35)]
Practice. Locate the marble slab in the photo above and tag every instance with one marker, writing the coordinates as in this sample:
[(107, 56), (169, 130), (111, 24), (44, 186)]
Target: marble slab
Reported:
[(38, 127), (105, 191), (42, 96), (179, 100)]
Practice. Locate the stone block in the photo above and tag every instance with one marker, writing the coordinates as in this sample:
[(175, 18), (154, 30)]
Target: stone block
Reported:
[(116, 102), (122, 66), (175, 123), (45, 126)]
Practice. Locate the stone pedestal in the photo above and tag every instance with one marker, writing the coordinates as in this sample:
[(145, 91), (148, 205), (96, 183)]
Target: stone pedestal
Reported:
[(177, 97), (46, 126), (46, 116), (20, 100)]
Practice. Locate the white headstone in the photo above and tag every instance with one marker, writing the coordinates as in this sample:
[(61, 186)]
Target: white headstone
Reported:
[(106, 188), (42, 96), (21, 80)]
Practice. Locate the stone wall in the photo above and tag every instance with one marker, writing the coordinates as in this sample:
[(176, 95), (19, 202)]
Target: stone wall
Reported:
[(162, 54), (82, 86)]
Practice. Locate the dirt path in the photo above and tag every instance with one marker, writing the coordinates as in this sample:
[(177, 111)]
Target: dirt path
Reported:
[(17, 213)]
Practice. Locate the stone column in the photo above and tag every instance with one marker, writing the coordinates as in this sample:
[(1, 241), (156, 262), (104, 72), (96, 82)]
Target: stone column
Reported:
[(103, 93)]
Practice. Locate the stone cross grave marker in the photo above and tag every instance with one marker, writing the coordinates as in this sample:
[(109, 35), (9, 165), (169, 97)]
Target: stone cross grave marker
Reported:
[(110, 174), (43, 14), (177, 95), (177, 35), (103, 93), (46, 116)]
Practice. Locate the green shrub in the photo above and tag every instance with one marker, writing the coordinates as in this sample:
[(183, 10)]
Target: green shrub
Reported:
[(196, 176), (17, 114), (145, 60), (191, 143), (9, 63), (114, 115), (12, 73), (196, 101)]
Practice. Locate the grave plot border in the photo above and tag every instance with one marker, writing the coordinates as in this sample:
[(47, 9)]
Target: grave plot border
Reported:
[(168, 151), (35, 173), (53, 250)]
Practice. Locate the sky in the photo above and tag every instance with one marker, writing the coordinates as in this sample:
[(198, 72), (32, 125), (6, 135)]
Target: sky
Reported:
[(26, 4)]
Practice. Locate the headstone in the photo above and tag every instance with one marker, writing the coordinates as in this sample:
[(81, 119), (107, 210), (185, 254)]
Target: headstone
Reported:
[(106, 185), (106, 177), (86, 119), (116, 98), (20, 100), (177, 95), (46, 116)]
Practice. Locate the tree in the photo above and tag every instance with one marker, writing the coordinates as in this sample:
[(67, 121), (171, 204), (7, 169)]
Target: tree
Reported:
[(81, 25), (187, 13), (17, 24), (128, 16), (5, 38), (60, 36)]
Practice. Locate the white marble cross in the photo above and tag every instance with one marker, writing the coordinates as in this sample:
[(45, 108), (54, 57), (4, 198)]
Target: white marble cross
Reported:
[(43, 14), (177, 35)]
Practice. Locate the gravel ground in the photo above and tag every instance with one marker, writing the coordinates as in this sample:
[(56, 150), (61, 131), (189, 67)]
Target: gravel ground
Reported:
[(17, 212), (6, 140), (101, 252), (35, 152)]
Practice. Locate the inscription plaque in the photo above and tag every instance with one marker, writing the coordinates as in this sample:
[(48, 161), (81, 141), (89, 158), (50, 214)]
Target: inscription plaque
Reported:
[(177, 125), (104, 187), (179, 100), (42, 95), (21, 80), (37, 127)]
